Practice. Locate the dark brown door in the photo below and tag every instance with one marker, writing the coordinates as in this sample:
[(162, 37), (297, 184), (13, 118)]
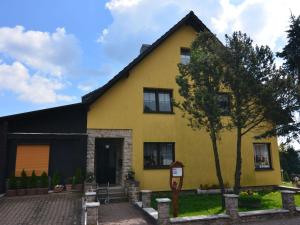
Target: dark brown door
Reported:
[(106, 151)]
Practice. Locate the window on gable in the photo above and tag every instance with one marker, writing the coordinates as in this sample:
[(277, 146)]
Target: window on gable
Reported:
[(262, 156), (224, 103), (157, 101), (185, 56), (158, 154)]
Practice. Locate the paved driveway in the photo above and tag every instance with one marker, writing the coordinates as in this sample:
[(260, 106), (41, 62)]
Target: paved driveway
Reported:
[(51, 209), (292, 221), (122, 214)]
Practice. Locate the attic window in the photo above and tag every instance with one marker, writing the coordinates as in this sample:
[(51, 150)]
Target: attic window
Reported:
[(157, 100), (185, 56)]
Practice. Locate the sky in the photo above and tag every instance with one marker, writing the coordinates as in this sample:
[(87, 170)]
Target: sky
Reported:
[(54, 52)]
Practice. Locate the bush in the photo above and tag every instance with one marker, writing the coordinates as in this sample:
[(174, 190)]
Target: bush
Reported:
[(286, 177), (249, 199), (44, 182), (33, 180), (55, 179), (78, 176), (90, 177), (12, 182), (23, 180)]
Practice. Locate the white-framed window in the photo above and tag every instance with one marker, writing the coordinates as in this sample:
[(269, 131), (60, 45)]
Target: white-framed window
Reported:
[(262, 156), (185, 56)]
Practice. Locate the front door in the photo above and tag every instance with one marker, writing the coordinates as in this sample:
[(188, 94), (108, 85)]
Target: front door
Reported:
[(106, 160)]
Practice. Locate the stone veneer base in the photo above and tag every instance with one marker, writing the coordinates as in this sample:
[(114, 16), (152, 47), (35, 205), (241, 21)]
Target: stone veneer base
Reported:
[(124, 134)]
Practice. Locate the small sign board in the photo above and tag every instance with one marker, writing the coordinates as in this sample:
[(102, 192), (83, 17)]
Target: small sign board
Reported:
[(177, 172)]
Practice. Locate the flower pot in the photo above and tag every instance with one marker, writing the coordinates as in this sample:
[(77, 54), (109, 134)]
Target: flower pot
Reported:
[(21, 192), (11, 193), (79, 187), (31, 191), (68, 187)]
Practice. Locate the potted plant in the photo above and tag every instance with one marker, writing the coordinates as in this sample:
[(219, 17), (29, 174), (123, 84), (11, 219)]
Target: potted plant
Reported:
[(55, 183), (12, 186), (43, 184), (69, 184), (89, 183), (22, 184), (78, 179), (32, 184)]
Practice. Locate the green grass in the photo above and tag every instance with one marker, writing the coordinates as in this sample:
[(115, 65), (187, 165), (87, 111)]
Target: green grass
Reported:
[(192, 204), (288, 184)]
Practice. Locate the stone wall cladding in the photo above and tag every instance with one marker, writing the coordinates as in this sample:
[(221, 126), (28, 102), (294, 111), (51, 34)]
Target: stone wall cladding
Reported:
[(125, 134)]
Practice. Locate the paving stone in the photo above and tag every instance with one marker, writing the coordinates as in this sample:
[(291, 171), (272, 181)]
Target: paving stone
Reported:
[(52, 209)]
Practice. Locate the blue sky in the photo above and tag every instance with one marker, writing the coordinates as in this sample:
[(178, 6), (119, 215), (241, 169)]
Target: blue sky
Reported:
[(53, 52)]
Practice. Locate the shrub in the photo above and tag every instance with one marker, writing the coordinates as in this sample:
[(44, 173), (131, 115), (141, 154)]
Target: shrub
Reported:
[(78, 176), (12, 182), (286, 177), (55, 179), (23, 180), (130, 175), (249, 199), (33, 180), (44, 182), (90, 177)]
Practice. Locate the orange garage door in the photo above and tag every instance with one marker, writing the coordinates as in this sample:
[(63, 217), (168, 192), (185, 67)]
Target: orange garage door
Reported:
[(32, 157)]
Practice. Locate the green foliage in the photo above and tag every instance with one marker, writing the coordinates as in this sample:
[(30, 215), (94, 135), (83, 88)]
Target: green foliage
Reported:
[(23, 180), (78, 176), (289, 161), (55, 179), (200, 84), (250, 199), (44, 182), (33, 180), (291, 52), (73, 181), (286, 176), (12, 182), (130, 175), (90, 177)]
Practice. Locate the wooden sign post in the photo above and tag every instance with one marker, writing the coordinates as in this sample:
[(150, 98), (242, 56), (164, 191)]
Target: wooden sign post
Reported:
[(176, 182)]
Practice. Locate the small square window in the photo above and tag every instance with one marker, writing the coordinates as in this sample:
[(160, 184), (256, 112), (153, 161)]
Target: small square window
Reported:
[(262, 157), (158, 155), (185, 56), (157, 101)]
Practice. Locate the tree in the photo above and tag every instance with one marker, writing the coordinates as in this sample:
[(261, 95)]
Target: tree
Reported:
[(199, 84), (291, 52), (289, 159), (253, 82)]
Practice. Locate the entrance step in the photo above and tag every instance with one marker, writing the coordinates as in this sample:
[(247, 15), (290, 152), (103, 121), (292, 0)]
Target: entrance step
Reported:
[(115, 194)]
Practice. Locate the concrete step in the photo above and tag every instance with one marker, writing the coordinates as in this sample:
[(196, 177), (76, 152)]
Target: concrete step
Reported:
[(114, 199)]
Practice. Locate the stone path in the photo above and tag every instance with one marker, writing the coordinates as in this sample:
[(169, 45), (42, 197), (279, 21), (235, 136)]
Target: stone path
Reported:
[(122, 214), (51, 209)]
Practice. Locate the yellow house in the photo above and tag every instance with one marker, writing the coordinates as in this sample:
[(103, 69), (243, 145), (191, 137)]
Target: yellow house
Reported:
[(132, 125)]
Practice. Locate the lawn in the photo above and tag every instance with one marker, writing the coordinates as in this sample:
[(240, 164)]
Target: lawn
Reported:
[(192, 204)]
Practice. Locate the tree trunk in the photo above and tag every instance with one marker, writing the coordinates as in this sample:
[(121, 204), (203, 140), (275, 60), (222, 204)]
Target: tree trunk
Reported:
[(238, 167), (217, 164)]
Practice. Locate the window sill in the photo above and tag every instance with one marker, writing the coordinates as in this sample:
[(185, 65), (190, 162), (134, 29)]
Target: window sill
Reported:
[(170, 113), (263, 169), (157, 168)]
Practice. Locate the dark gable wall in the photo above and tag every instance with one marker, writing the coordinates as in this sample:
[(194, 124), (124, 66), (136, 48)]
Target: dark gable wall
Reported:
[(64, 129), (3, 152)]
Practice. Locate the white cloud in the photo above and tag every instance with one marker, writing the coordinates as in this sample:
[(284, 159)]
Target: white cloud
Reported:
[(40, 63), (54, 53), (264, 20), (143, 21), (30, 87)]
